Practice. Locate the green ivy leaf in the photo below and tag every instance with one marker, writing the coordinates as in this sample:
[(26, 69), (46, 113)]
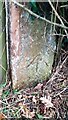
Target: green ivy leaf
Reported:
[(40, 116), (15, 91), (6, 93)]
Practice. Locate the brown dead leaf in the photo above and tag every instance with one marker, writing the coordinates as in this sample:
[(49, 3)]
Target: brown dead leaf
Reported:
[(38, 87), (2, 116), (26, 111)]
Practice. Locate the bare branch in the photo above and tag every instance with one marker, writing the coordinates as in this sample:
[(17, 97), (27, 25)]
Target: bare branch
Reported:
[(57, 16), (37, 16), (61, 92), (2, 67), (57, 71)]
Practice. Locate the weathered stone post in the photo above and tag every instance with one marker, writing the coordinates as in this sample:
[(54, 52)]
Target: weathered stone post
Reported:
[(32, 52)]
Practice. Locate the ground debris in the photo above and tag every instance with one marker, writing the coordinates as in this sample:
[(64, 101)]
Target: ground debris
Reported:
[(43, 101)]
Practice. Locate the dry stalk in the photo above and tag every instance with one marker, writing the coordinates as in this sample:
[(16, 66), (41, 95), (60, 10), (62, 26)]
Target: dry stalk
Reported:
[(56, 72), (58, 16)]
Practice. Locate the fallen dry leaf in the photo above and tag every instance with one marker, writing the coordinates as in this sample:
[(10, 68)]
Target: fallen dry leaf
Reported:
[(46, 101), (38, 87), (34, 99), (2, 116)]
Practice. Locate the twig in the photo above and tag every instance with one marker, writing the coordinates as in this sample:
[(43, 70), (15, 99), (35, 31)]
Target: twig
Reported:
[(64, 20), (63, 6), (60, 92), (58, 34), (7, 37), (57, 71), (57, 16), (2, 67), (2, 52), (37, 16), (3, 102)]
